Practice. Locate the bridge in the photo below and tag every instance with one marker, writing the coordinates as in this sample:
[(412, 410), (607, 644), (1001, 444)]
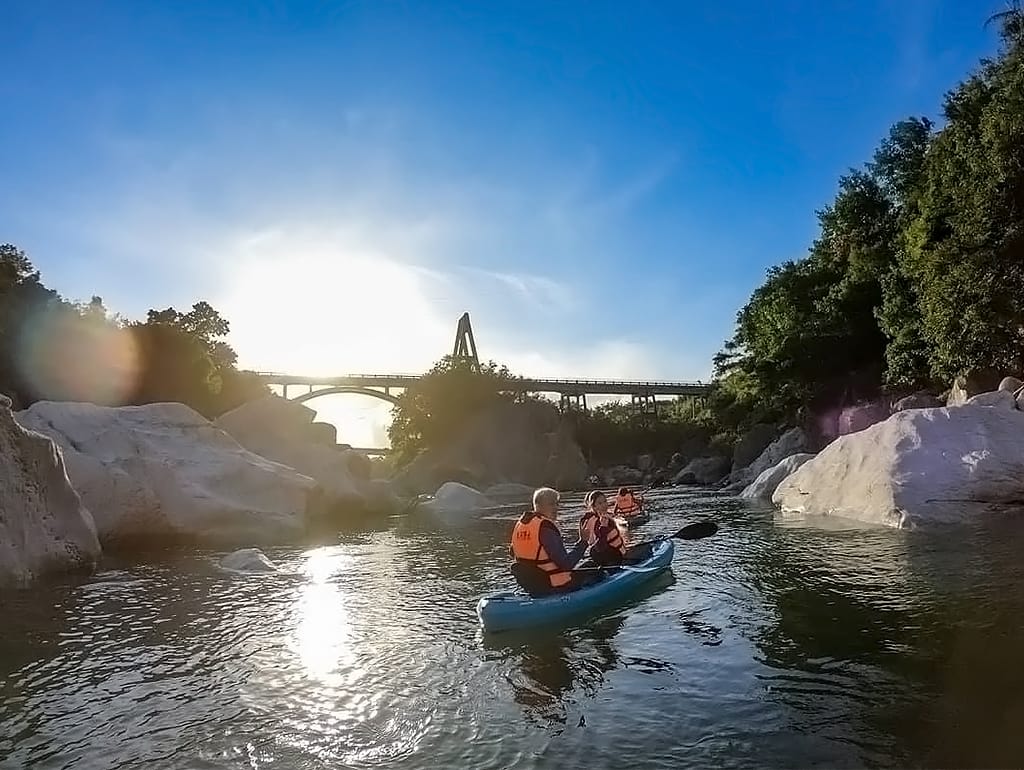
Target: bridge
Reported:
[(572, 392), (381, 386)]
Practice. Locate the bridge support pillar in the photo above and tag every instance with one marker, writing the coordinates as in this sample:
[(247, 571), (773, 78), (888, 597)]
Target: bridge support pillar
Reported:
[(697, 403), (645, 403), (572, 402)]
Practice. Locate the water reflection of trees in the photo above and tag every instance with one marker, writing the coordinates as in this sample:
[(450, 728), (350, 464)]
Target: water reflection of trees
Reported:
[(905, 645)]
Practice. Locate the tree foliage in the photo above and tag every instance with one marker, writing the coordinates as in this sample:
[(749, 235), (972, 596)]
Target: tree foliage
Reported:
[(616, 432), (435, 411), (432, 412), (917, 274), (177, 356)]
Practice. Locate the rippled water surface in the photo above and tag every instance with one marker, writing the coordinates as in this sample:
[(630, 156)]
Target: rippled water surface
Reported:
[(770, 645)]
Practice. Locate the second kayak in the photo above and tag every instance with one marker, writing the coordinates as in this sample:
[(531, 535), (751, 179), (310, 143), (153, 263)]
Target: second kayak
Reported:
[(513, 609)]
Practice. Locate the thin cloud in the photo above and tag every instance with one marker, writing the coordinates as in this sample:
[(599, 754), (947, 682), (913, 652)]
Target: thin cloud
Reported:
[(541, 292)]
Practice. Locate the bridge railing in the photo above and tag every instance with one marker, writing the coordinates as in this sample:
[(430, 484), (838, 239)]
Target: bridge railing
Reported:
[(524, 380)]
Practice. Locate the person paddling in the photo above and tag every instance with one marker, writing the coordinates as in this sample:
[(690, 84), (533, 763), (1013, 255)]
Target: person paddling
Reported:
[(542, 565), (601, 531), (626, 504)]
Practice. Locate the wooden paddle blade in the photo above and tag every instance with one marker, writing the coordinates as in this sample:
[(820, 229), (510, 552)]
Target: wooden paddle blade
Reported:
[(697, 530)]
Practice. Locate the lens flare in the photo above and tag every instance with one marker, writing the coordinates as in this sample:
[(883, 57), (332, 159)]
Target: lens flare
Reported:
[(64, 356)]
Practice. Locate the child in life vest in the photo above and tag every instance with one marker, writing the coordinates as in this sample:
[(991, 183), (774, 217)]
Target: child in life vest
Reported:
[(601, 532)]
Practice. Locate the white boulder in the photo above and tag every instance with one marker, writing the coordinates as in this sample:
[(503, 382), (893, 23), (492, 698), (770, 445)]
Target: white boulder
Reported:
[(792, 442), (920, 400), (164, 470), (703, 471), (282, 431), (453, 497), (509, 491), (43, 525), (1010, 384), (248, 560), (916, 467), (764, 486), (1001, 399)]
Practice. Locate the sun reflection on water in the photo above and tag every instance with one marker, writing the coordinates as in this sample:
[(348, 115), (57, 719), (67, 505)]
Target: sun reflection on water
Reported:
[(323, 635)]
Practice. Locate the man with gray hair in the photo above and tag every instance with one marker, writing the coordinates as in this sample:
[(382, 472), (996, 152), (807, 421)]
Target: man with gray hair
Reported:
[(542, 566)]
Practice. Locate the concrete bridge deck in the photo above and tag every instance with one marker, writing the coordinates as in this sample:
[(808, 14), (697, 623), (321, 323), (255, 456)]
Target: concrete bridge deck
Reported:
[(521, 384)]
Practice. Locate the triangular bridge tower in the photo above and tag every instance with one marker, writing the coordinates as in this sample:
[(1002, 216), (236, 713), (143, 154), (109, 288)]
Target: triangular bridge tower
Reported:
[(465, 345)]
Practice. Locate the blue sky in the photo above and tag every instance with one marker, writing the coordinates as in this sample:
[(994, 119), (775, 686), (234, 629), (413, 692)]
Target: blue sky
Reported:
[(600, 184)]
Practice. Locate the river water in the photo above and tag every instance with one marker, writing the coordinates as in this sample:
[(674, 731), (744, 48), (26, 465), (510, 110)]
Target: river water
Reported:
[(770, 645)]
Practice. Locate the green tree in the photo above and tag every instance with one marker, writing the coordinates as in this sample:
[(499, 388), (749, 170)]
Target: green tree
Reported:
[(184, 358), (615, 432), (22, 297), (434, 410), (899, 165), (965, 247)]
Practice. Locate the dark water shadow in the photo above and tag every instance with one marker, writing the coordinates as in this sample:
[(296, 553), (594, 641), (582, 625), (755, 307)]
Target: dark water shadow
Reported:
[(905, 645), (544, 665)]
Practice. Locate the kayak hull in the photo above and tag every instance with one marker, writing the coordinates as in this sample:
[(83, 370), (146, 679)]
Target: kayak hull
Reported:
[(510, 610)]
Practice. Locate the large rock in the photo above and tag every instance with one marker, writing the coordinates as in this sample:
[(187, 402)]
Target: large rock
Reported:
[(793, 441), (247, 560), (917, 467), (452, 497), (1000, 399), (323, 433), (43, 525), (525, 443), (509, 492), (1010, 384), (920, 400), (764, 486), (704, 471), (860, 416), (621, 475), (971, 384), (284, 432), (164, 470), (379, 497), (752, 444)]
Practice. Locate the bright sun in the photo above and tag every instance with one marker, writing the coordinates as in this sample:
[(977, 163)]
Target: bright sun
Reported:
[(327, 305)]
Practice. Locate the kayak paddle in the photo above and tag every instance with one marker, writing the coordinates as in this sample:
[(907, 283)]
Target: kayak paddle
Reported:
[(696, 531)]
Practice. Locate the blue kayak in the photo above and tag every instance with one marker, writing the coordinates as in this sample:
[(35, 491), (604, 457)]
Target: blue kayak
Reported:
[(513, 609)]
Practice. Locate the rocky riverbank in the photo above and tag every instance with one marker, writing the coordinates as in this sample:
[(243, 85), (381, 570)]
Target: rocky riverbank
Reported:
[(920, 464), (75, 477), (262, 473)]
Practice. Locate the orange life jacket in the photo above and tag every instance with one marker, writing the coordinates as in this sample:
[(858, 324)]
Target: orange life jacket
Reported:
[(527, 549), (626, 504), (607, 537)]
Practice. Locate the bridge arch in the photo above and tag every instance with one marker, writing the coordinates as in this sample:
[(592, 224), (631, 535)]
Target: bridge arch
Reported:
[(352, 389)]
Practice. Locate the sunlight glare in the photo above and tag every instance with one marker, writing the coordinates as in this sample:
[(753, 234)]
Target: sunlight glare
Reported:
[(318, 304), (323, 634), (65, 357)]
